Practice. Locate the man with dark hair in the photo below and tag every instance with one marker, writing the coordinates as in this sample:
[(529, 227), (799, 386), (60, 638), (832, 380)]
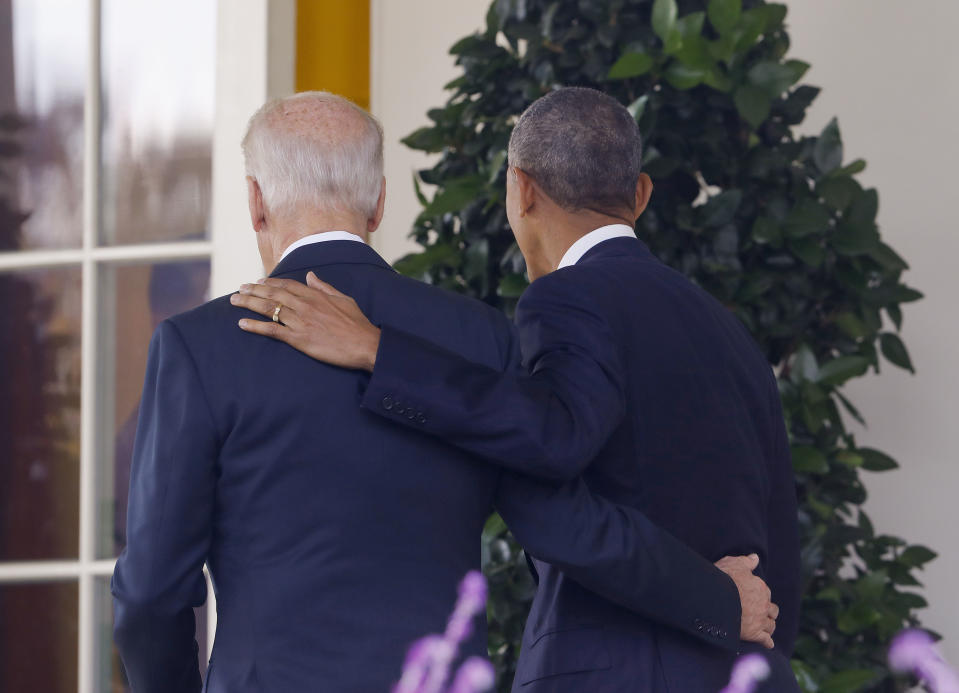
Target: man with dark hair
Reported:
[(635, 379)]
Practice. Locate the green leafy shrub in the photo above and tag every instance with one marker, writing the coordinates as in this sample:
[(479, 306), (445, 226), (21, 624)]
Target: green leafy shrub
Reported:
[(775, 225)]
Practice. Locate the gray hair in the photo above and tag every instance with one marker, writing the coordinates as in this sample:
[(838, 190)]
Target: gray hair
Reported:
[(582, 147), (315, 149)]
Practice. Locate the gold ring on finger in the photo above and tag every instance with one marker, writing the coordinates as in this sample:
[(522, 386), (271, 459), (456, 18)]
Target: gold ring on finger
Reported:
[(276, 313)]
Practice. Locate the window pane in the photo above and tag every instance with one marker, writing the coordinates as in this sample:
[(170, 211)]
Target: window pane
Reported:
[(43, 49), (158, 96), (109, 669), (39, 414), (38, 637), (134, 299)]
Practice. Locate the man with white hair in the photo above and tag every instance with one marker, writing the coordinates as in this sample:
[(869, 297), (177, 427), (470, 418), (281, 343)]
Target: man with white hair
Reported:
[(334, 539)]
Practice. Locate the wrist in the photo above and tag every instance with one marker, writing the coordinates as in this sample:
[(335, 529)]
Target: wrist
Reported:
[(373, 346)]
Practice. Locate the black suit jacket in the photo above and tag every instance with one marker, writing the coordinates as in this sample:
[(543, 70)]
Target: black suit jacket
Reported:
[(644, 384), (334, 538)]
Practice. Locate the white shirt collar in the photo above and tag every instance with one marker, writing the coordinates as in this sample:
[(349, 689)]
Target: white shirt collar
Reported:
[(592, 239), (319, 238)]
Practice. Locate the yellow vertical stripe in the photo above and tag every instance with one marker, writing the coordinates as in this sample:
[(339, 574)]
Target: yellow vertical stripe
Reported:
[(333, 48)]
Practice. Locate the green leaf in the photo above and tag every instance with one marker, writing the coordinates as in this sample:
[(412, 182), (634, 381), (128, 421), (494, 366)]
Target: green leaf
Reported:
[(850, 239), (630, 65), (850, 681), (724, 14), (809, 250), (695, 54), (664, 18), (841, 369), (753, 104), (864, 208), (512, 286), (638, 107), (895, 351), (804, 365), (417, 264), (691, 25), (888, 258), (857, 166), (876, 461), (683, 77), (496, 164), (809, 460), (806, 218), (850, 459), (427, 139), (774, 77), (804, 676), (852, 325), (857, 618), (765, 230), (828, 150), (454, 195), (838, 191), (721, 208), (916, 556)]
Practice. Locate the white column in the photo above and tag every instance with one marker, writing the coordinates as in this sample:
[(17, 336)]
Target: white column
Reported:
[(256, 60)]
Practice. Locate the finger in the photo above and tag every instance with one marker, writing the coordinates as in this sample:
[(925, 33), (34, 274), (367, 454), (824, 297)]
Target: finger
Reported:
[(315, 282), (296, 288), (275, 294), (267, 328), (773, 611), (769, 626), (264, 307), (768, 643), (752, 561)]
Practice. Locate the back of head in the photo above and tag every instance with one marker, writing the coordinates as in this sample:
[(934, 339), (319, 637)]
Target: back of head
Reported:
[(582, 147), (315, 150)]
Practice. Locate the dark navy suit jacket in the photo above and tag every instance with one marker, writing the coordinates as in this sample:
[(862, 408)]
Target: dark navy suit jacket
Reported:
[(649, 388), (335, 538)]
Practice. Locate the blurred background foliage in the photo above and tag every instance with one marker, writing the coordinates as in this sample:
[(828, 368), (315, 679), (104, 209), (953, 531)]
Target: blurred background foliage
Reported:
[(774, 224)]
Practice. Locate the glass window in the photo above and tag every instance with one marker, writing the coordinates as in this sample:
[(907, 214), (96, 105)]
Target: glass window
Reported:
[(158, 95), (135, 299), (38, 637), (42, 82), (39, 414)]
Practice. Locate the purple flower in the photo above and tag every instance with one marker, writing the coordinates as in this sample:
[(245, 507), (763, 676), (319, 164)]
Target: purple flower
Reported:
[(428, 662), (475, 676), (914, 651), (420, 660), (748, 672)]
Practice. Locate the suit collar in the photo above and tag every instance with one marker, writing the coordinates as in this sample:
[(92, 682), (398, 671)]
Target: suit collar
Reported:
[(329, 253), (617, 247)]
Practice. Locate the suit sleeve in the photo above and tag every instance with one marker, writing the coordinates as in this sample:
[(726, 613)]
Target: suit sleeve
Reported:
[(618, 553), (548, 421), (158, 579)]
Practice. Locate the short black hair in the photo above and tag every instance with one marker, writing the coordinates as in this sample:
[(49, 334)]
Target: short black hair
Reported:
[(582, 147)]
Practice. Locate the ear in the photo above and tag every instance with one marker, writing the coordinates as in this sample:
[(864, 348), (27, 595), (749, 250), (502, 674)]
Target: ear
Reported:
[(526, 189), (644, 190), (255, 200), (373, 223)]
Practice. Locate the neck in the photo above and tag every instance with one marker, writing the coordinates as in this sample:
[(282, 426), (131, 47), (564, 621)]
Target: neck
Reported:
[(285, 231), (566, 229)]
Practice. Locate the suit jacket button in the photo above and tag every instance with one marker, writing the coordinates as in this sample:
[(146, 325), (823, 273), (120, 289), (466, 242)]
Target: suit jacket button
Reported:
[(723, 634), (387, 403), (421, 418), (399, 408), (410, 414)]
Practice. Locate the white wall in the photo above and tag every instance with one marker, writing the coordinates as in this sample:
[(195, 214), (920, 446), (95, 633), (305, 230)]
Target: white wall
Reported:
[(410, 64), (888, 70)]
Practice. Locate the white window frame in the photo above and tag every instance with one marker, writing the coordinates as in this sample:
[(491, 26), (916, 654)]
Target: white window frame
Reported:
[(255, 60)]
